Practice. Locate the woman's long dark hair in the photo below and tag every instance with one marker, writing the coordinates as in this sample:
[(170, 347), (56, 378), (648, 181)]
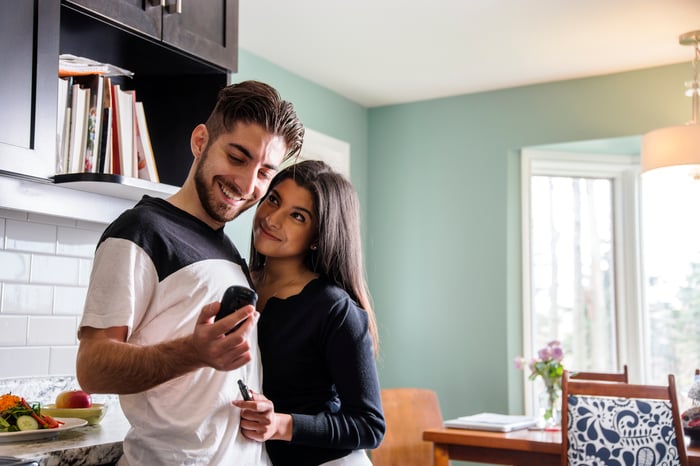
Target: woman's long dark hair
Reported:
[(338, 256)]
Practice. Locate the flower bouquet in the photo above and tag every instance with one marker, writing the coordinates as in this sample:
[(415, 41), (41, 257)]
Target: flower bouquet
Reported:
[(549, 366)]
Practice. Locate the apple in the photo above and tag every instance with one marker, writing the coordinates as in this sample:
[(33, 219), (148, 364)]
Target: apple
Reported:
[(73, 399)]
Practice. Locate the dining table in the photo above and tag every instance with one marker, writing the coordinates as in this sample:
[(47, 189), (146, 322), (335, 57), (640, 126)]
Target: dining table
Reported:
[(517, 448)]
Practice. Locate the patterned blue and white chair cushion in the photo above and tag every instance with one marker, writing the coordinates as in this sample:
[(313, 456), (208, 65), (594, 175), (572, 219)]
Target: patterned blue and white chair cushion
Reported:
[(620, 432)]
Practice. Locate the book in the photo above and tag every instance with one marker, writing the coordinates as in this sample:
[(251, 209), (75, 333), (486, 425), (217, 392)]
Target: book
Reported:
[(123, 101), (72, 65), (104, 150), (95, 83), (114, 163), (62, 123), (78, 129), (146, 160), (493, 422)]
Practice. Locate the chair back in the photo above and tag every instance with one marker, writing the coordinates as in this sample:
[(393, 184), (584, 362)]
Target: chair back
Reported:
[(620, 423), (602, 376), (407, 412)]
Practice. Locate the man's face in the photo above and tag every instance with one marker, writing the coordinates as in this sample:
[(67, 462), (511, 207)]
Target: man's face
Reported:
[(234, 170)]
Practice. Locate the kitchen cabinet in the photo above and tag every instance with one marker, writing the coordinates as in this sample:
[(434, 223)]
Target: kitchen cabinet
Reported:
[(180, 61), (28, 53), (205, 29)]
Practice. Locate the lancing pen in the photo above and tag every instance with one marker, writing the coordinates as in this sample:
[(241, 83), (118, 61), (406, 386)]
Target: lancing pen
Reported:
[(244, 390)]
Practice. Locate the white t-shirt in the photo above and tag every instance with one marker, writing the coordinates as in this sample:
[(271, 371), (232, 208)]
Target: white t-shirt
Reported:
[(155, 279)]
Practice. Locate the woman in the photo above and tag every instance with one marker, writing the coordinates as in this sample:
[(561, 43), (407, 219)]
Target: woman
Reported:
[(317, 332)]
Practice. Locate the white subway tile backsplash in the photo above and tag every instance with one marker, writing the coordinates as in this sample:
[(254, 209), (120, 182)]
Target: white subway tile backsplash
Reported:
[(52, 330), (14, 266), (45, 265), (62, 360), (33, 237), (69, 300), (74, 242), (24, 361), (94, 226), (13, 330), (51, 219), (85, 268), (54, 269), (27, 299)]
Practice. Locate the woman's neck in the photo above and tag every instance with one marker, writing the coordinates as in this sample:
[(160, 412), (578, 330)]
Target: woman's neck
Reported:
[(281, 279)]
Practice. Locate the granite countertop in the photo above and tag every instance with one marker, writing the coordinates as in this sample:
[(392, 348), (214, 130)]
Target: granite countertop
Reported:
[(90, 445)]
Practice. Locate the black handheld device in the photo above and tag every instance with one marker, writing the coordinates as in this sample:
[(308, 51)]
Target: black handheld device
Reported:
[(235, 298), (244, 390)]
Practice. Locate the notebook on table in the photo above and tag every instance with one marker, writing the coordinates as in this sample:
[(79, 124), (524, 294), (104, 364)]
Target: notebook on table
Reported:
[(492, 421)]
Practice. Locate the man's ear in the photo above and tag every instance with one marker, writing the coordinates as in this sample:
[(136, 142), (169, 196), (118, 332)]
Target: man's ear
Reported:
[(199, 140)]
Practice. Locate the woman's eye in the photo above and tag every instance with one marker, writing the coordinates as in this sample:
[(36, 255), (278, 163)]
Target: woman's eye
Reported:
[(298, 217), (272, 199)]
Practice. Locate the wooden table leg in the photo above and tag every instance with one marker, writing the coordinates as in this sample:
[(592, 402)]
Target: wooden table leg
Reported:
[(441, 455)]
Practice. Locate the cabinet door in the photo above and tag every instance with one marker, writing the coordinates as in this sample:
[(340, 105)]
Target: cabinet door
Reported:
[(28, 91), (207, 29), (141, 15)]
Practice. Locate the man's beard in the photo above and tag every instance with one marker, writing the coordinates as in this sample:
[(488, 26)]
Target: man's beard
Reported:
[(219, 211)]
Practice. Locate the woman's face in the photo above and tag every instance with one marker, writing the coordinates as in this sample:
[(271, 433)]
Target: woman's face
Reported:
[(285, 222)]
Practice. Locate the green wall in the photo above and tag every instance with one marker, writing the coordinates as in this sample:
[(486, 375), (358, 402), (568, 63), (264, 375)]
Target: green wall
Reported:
[(439, 185), (444, 224)]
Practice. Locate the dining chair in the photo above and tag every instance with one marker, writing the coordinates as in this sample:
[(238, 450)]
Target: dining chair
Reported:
[(407, 412), (620, 423), (602, 376)]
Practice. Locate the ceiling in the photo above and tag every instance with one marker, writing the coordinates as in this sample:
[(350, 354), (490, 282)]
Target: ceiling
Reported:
[(382, 52)]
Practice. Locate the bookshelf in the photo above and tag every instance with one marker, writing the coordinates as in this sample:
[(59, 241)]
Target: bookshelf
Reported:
[(177, 76), (108, 184)]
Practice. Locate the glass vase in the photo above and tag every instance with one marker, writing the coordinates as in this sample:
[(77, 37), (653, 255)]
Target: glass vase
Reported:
[(550, 404)]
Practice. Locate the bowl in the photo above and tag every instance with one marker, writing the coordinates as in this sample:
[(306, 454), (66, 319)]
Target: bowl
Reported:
[(93, 415)]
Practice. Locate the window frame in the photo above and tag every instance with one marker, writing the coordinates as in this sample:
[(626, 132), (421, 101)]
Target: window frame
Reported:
[(625, 172)]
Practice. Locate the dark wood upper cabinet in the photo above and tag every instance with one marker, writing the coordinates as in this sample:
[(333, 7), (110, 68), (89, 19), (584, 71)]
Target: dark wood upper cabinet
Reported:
[(180, 61), (206, 29), (28, 91)]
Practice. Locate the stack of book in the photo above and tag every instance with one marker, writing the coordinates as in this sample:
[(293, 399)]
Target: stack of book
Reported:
[(493, 422), (101, 126)]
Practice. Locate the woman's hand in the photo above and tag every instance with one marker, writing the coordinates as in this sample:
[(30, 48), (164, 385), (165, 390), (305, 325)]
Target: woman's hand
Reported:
[(260, 422)]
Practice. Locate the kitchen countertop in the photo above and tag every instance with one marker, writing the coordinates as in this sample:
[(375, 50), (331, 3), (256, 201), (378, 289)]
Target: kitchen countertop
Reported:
[(90, 445)]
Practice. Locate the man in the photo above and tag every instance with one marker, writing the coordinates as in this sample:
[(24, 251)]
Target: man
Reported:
[(148, 331)]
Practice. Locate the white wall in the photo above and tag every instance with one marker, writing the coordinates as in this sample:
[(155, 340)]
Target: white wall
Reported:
[(45, 264)]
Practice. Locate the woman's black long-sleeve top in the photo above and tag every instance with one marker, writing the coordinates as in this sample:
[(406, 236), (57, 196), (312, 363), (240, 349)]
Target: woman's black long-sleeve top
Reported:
[(319, 366)]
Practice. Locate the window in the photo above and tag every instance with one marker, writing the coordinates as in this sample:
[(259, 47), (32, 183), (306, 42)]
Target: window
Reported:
[(580, 239), (671, 252), (611, 265)]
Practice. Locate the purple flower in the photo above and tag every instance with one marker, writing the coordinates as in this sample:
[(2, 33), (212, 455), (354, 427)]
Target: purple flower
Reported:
[(548, 364), (557, 353)]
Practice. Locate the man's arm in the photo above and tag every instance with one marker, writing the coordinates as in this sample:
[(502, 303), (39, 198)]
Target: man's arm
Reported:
[(106, 363)]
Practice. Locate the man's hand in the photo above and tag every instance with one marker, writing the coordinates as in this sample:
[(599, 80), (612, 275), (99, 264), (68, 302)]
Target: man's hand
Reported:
[(216, 349), (107, 363)]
